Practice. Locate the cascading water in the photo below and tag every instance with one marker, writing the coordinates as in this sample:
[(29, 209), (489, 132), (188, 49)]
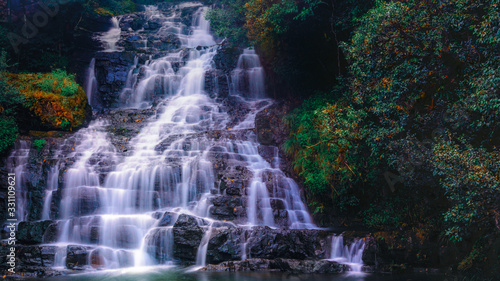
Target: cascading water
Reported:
[(248, 77), (91, 85), (17, 163), (351, 255), (115, 203), (112, 36)]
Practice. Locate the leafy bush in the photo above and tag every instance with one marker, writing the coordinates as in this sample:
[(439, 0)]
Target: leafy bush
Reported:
[(8, 132), (39, 144), (228, 21), (10, 101), (416, 67), (63, 106), (471, 179), (58, 82), (383, 215), (326, 145)]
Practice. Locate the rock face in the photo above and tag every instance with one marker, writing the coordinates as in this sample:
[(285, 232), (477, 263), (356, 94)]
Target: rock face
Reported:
[(286, 265), (77, 257), (264, 242), (32, 261), (231, 243), (37, 232), (143, 37), (225, 244), (187, 237)]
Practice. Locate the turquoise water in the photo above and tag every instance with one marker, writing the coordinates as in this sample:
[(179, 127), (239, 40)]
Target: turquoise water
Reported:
[(177, 275)]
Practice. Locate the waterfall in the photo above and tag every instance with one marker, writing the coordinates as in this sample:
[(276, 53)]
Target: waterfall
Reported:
[(52, 185), (112, 36), (352, 254), (114, 202), (91, 85), (248, 77), (16, 163)]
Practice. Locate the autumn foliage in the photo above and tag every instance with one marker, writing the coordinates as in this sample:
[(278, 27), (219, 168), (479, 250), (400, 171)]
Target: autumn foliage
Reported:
[(54, 98)]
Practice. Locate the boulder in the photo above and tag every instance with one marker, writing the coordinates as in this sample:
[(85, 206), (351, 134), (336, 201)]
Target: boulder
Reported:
[(267, 243), (187, 238), (77, 257), (224, 245)]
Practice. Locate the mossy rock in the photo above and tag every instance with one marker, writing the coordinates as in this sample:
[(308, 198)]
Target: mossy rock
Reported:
[(57, 109)]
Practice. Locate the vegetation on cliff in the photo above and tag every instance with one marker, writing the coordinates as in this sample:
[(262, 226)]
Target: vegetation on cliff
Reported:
[(38, 101), (403, 130), (54, 98)]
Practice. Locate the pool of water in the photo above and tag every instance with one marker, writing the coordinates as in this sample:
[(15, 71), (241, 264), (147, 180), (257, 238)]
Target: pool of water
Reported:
[(168, 274)]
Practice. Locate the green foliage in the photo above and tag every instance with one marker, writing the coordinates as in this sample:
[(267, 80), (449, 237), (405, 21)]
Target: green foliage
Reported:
[(267, 20), (471, 179), (51, 98), (59, 82), (325, 144), (228, 20), (39, 144), (10, 101), (8, 132), (382, 215)]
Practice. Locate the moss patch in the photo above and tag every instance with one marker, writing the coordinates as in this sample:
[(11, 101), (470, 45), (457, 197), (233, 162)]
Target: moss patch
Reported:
[(54, 98)]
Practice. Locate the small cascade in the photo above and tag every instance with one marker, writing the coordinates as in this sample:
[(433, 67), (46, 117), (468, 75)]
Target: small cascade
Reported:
[(52, 185), (247, 79), (158, 79), (91, 85), (112, 36), (201, 255), (201, 33), (351, 255), (16, 164)]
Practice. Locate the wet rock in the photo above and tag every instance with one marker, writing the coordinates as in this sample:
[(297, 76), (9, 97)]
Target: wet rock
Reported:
[(95, 234), (127, 237), (187, 238), (187, 12), (111, 71), (269, 153), (224, 245), (77, 257), (246, 265), (216, 83), (84, 200), (167, 219), (31, 256), (286, 265), (226, 58), (310, 266), (36, 232), (264, 242), (160, 243), (226, 207)]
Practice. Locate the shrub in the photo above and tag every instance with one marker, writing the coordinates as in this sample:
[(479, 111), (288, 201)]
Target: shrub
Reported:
[(39, 144), (8, 133), (58, 82), (229, 22), (64, 106)]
